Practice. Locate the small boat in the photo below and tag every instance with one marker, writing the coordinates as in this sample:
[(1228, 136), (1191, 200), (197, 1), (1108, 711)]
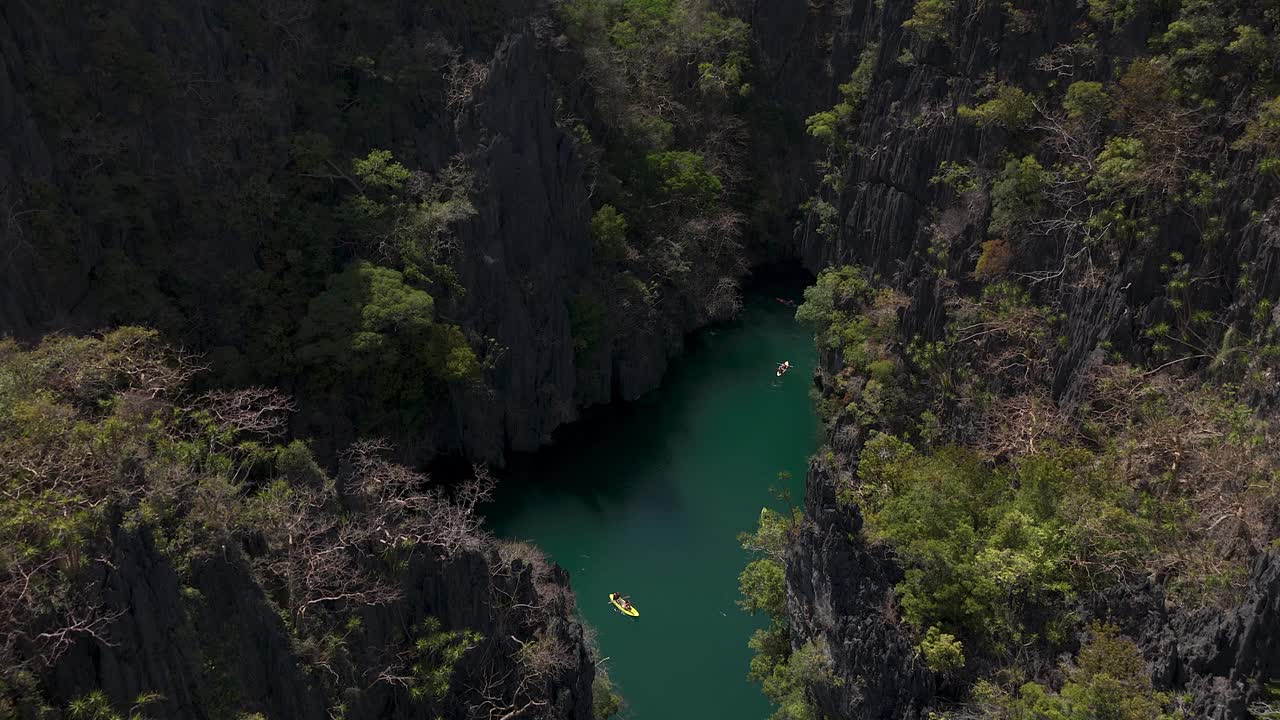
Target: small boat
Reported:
[(784, 301), (621, 604), (783, 368)]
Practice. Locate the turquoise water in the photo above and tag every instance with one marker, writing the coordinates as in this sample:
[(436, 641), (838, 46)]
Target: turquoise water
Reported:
[(647, 499)]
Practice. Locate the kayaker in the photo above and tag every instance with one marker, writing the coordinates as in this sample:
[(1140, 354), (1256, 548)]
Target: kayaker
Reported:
[(785, 366)]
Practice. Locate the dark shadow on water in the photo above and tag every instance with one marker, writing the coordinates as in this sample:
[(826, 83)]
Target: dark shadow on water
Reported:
[(786, 280), (649, 497), (565, 467)]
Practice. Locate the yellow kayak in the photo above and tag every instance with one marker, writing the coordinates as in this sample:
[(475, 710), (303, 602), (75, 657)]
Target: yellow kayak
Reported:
[(619, 603)]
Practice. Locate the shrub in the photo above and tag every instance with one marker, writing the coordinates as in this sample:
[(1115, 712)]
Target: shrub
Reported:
[(96, 706), (1116, 12), (1194, 40), (763, 587), (369, 324), (609, 230), (932, 20), (1011, 109), (1252, 45), (435, 653), (400, 216), (960, 178), (683, 176), (1121, 170), (783, 675), (1086, 100), (605, 701), (943, 653), (1262, 133), (829, 125), (788, 682), (1017, 196), (1108, 680), (994, 261), (977, 551), (103, 435), (835, 287)]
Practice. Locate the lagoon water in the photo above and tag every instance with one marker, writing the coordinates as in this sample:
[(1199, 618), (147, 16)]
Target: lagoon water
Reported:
[(647, 499)]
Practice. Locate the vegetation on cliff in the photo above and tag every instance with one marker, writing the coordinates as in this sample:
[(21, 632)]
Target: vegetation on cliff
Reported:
[(665, 157), (784, 675), (103, 437), (332, 154), (1005, 435)]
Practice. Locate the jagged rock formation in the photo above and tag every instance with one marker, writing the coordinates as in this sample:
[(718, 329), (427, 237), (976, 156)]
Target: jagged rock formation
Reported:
[(840, 590), (210, 95), (1216, 657), (888, 213), (208, 109), (216, 646), (163, 553)]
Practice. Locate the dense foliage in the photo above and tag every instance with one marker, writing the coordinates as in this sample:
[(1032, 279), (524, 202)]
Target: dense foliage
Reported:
[(349, 166), (1108, 680), (102, 439), (854, 323), (308, 195), (1001, 536), (1016, 446), (665, 153), (784, 675)]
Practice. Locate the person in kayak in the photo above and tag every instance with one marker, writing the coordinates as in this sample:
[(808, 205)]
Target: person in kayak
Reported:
[(785, 366), (626, 603)]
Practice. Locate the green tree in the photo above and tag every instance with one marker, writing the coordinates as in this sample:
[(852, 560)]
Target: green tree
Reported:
[(763, 587), (1011, 108), (609, 230), (788, 683), (978, 551), (369, 324), (434, 655), (1017, 197), (1116, 12), (378, 171), (932, 20), (1252, 45), (605, 701), (1108, 681), (407, 219), (829, 126), (1262, 134), (1121, 169), (682, 176), (1086, 100), (942, 651)]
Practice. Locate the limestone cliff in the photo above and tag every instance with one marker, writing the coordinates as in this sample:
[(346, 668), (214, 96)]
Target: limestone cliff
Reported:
[(217, 647), (151, 148), (886, 210)]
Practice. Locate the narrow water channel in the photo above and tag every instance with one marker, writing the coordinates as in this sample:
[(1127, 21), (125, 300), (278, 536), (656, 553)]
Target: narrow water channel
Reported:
[(647, 499)]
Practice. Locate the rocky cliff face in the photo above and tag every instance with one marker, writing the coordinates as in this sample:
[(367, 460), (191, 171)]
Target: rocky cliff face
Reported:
[(841, 590), (138, 133), (889, 215), (216, 648), (1216, 657)]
